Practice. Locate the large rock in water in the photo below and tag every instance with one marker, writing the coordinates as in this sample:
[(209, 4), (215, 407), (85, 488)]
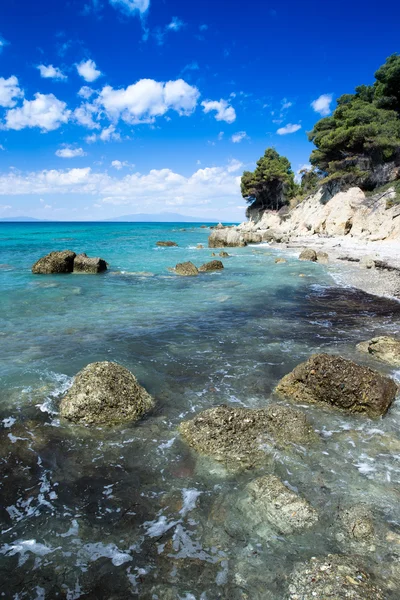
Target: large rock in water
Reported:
[(186, 269), (340, 383), (167, 244), (220, 238), (308, 254), (383, 348), (240, 437), (268, 501), (105, 393), (55, 262), (213, 265), (332, 578), (84, 264)]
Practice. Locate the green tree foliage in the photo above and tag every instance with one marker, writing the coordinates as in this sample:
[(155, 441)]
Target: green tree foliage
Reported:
[(271, 185), (365, 125), (309, 180)]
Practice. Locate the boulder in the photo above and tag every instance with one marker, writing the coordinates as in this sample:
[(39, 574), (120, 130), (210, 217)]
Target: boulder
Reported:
[(84, 264), (213, 265), (105, 393), (322, 257), (280, 261), (241, 438), (223, 254), (199, 246), (186, 269), (340, 383), (220, 238), (308, 254), (367, 262), (383, 348), (55, 262), (267, 501), (330, 578), (166, 244)]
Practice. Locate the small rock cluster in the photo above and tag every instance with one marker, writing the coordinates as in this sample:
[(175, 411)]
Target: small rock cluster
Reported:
[(188, 269), (68, 262)]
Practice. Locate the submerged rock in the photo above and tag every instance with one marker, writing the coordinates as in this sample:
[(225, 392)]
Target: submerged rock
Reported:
[(105, 393), (84, 264), (166, 244), (55, 262), (280, 261), (241, 438), (199, 247), (186, 269), (383, 348), (340, 383), (268, 501), (358, 523), (308, 254), (223, 254), (213, 265), (332, 577)]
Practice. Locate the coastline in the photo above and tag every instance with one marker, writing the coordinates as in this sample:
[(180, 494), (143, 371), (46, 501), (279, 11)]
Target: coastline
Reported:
[(345, 256)]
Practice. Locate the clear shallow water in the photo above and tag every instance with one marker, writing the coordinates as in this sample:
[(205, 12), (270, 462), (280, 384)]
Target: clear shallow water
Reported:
[(130, 512)]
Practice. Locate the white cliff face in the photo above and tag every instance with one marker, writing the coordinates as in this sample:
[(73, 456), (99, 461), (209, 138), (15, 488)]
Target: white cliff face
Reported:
[(348, 213)]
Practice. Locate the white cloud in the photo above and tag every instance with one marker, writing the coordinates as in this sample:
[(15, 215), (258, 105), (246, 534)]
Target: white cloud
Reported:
[(286, 104), (203, 187), (51, 72), (203, 27), (176, 24), (238, 137), (84, 116), (9, 92), (3, 43), (86, 92), (107, 134), (289, 128), (130, 7), (46, 112), (2, 147), (118, 164), (224, 111), (87, 69), (147, 99), (220, 136), (70, 152), (322, 105)]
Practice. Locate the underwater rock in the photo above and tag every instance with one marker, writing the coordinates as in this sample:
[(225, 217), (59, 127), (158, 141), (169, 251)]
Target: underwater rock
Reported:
[(186, 269), (383, 348), (241, 438), (84, 264), (199, 246), (55, 262), (339, 383), (268, 501), (213, 265), (322, 257), (358, 523), (308, 254), (105, 393), (223, 254), (167, 244), (280, 261), (331, 577)]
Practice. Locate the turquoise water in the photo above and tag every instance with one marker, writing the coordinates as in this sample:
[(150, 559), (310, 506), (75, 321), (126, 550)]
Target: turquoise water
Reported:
[(120, 513)]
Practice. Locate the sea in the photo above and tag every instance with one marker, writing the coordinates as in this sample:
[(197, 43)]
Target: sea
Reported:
[(131, 511)]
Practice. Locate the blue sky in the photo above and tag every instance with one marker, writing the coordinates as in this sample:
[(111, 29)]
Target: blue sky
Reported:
[(111, 107)]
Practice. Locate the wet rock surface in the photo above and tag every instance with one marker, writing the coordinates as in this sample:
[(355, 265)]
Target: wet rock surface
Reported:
[(55, 262), (186, 269), (340, 383), (241, 438), (384, 348), (334, 577), (220, 238), (105, 393), (358, 523), (280, 261), (85, 264), (167, 244), (213, 265)]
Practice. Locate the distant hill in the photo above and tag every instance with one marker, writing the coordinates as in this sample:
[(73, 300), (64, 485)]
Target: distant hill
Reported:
[(22, 220), (161, 218)]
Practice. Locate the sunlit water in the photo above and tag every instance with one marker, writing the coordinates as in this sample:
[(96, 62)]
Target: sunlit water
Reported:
[(131, 511)]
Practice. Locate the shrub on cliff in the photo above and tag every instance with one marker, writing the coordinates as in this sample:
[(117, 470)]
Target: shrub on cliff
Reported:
[(364, 130), (271, 185)]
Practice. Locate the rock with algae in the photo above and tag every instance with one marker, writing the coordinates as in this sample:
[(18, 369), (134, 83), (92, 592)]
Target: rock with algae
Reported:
[(186, 269), (105, 393), (213, 265), (340, 383), (55, 262), (240, 438)]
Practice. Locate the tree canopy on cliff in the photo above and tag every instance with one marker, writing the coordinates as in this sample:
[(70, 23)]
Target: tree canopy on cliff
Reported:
[(271, 185), (365, 124)]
